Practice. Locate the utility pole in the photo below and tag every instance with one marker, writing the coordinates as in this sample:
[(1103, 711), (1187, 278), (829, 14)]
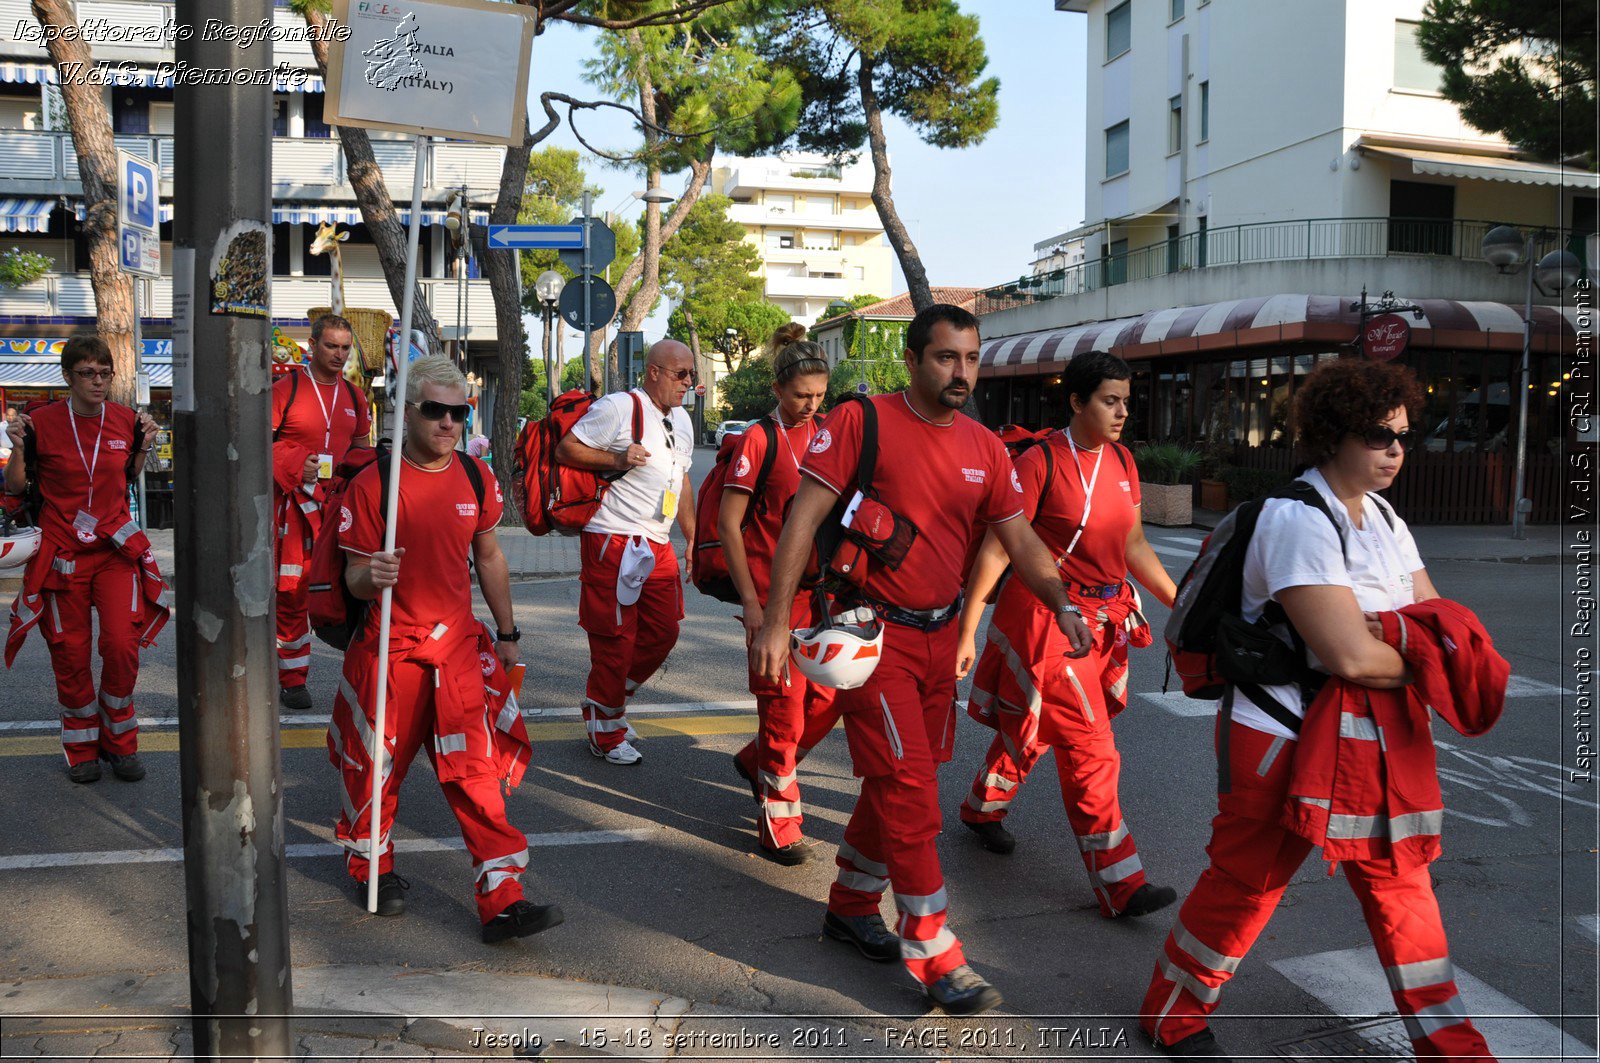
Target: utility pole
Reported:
[(227, 671)]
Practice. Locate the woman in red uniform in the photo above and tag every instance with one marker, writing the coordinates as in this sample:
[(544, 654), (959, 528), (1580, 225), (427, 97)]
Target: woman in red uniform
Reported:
[(1081, 493), (795, 714), (93, 556)]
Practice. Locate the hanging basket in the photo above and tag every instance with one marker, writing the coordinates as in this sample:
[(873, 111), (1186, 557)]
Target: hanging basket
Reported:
[(369, 327)]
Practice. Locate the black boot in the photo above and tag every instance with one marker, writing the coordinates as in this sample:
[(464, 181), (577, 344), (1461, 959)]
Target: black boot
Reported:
[(521, 919), (1203, 1043), (129, 768), (994, 836), (866, 932), (1147, 899), (964, 992)]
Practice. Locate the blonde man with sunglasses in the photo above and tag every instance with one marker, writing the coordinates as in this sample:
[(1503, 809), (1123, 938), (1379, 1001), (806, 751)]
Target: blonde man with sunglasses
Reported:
[(632, 598), (80, 455)]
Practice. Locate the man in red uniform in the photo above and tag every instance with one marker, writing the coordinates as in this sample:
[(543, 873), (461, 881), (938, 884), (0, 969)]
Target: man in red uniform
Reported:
[(437, 671), (317, 416), (92, 556), (948, 474)]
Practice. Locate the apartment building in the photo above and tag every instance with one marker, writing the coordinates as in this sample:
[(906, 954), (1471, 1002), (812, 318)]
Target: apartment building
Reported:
[(1251, 167), (41, 205), (814, 224)]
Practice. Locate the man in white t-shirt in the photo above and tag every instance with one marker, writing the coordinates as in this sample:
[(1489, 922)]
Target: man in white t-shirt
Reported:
[(631, 598)]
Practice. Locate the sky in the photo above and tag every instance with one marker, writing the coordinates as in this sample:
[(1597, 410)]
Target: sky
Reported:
[(974, 214)]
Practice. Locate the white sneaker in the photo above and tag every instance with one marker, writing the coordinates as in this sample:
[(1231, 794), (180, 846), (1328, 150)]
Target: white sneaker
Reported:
[(623, 754)]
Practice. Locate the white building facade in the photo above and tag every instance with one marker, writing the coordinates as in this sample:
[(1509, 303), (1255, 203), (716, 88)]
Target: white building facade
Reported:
[(813, 222), (1251, 167)]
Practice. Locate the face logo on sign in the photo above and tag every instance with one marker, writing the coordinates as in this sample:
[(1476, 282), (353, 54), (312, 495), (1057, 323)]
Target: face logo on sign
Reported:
[(390, 62), (742, 469), (466, 509), (823, 441), (346, 519)]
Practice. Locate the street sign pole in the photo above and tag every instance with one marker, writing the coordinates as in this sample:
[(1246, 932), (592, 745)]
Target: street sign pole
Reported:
[(588, 310), (228, 741), (141, 390)]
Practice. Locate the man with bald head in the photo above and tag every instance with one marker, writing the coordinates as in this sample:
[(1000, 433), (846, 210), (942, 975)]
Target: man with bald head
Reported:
[(632, 598)]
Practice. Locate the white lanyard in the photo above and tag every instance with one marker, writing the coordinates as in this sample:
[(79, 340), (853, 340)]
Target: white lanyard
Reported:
[(327, 414), (88, 466), (1088, 485), (783, 433)]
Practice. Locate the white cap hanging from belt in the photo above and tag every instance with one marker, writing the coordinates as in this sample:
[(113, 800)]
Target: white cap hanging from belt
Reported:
[(842, 651)]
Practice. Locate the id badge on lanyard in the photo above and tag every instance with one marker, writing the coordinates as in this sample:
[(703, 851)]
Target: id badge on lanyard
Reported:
[(1088, 486)]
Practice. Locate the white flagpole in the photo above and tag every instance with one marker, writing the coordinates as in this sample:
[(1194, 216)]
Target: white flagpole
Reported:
[(391, 513)]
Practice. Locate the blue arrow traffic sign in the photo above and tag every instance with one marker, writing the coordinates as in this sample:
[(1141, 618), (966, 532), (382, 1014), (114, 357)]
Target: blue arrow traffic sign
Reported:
[(534, 237)]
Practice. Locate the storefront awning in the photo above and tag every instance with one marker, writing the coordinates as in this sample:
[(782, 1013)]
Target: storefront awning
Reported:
[(1488, 168), (21, 72), (48, 374), (1273, 320), (349, 214), (81, 212), (23, 215)]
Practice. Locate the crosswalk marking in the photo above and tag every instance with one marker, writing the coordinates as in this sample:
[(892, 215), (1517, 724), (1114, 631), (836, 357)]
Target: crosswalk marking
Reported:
[(1189, 539), (1173, 551), (1521, 686), (303, 719), (1350, 983), (304, 850), (1591, 926)]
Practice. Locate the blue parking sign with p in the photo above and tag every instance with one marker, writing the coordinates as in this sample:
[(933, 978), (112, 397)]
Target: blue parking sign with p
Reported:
[(139, 194)]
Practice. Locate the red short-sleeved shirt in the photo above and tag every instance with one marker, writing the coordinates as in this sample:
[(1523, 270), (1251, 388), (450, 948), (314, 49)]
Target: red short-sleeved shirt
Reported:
[(63, 472), (783, 480), (944, 478), (439, 516), (328, 426), (1101, 556)]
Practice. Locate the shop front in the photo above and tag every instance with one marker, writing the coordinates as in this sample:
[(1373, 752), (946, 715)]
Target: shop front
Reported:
[(1223, 377)]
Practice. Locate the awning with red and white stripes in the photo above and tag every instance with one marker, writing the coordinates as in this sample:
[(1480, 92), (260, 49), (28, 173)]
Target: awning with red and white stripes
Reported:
[(1276, 319)]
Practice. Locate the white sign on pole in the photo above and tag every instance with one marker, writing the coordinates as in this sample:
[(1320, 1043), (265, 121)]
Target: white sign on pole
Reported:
[(183, 329), (456, 68)]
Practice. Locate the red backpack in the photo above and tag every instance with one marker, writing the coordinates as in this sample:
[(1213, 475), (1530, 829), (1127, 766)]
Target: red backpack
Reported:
[(711, 575), (337, 615), (556, 497)]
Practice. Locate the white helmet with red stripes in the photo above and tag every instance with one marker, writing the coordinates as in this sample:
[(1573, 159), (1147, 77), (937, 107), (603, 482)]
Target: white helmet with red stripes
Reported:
[(18, 542), (842, 651)]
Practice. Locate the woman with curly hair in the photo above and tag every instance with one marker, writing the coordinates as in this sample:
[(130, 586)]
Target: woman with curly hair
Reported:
[(1321, 573)]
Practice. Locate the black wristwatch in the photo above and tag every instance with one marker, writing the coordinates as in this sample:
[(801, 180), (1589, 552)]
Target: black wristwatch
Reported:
[(515, 636)]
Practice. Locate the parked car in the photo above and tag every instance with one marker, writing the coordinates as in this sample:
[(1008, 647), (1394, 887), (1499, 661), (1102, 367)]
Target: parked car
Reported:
[(730, 428)]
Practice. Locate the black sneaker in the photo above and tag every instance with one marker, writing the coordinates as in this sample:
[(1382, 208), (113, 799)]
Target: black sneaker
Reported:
[(129, 768), (755, 787), (1147, 899), (964, 992), (1203, 1043), (391, 893), (994, 836), (295, 699), (521, 919), (87, 772), (792, 855), (866, 932)]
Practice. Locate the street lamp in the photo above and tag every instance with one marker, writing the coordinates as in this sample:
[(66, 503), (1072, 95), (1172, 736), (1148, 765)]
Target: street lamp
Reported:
[(1506, 249), (548, 288)]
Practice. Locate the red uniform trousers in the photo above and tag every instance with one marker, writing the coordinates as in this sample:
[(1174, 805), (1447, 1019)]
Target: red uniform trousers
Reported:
[(627, 643), (901, 727), (108, 582), (468, 775), (294, 575), (1075, 721), (794, 716), (1252, 860)]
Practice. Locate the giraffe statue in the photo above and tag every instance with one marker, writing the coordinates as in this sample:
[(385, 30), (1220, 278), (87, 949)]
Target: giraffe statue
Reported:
[(327, 242)]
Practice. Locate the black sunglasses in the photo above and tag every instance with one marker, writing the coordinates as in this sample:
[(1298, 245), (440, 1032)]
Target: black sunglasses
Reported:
[(677, 374), (435, 411), (1383, 437)]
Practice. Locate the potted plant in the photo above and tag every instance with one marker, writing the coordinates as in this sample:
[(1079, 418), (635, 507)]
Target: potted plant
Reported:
[(1214, 467), (1165, 473)]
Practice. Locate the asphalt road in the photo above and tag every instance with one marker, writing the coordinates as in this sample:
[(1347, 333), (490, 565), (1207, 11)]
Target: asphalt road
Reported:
[(674, 900)]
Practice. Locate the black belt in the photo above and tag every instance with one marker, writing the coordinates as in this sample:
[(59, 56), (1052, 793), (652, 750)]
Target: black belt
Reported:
[(1108, 591), (923, 619)]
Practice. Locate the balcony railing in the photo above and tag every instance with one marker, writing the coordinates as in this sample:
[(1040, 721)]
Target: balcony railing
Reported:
[(71, 295), (27, 154), (1313, 239)]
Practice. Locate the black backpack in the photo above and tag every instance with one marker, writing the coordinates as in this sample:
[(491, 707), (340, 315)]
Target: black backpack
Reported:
[(1213, 648)]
